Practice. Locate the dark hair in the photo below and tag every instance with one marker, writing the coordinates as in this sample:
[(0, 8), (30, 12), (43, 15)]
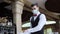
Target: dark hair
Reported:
[(34, 4)]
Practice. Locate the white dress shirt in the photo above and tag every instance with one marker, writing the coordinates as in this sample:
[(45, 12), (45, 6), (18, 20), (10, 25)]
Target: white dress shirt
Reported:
[(40, 25)]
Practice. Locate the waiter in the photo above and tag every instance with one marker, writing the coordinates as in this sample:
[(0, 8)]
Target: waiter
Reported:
[(38, 21)]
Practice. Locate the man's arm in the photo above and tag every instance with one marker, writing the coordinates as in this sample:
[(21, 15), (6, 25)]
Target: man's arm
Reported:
[(40, 25), (30, 21)]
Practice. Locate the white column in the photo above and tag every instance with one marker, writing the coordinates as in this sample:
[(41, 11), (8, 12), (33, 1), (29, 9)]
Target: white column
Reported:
[(59, 26), (17, 11)]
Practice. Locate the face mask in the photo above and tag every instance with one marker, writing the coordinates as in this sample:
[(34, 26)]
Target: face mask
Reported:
[(35, 11)]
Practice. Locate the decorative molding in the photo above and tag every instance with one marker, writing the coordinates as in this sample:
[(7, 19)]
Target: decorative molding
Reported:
[(48, 13), (18, 7), (20, 3)]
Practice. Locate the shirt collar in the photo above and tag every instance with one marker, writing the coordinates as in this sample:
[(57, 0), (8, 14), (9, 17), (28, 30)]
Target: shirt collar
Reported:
[(38, 13)]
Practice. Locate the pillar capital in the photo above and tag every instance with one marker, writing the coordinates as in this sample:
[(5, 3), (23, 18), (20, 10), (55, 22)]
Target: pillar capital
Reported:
[(18, 7), (21, 1)]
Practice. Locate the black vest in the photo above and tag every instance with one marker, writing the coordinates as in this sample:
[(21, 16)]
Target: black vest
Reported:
[(35, 23)]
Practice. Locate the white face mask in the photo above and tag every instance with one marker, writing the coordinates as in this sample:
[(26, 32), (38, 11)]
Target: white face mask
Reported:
[(35, 11)]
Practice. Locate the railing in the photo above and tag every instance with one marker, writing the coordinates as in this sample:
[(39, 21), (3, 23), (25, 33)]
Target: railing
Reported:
[(7, 29)]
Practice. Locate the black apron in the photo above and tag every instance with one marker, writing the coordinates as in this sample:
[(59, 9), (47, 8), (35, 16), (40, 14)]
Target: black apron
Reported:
[(35, 23)]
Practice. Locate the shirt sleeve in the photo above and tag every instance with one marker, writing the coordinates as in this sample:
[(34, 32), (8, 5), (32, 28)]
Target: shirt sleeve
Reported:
[(40, 25), (30, 21)]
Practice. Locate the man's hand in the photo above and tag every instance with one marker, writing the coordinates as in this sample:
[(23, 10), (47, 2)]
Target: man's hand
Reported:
[(27, 31)]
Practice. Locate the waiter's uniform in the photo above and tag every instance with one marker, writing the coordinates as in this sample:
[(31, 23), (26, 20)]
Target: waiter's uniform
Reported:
[(37, 24)]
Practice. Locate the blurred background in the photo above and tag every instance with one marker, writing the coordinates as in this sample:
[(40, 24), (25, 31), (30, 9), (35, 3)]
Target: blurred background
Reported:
[(9, 17)]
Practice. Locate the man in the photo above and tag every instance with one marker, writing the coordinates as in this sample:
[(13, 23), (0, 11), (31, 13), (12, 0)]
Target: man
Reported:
[(38, 21)]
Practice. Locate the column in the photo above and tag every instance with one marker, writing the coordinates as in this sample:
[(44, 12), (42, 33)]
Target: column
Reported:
[(17, 12), (57, 27)]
